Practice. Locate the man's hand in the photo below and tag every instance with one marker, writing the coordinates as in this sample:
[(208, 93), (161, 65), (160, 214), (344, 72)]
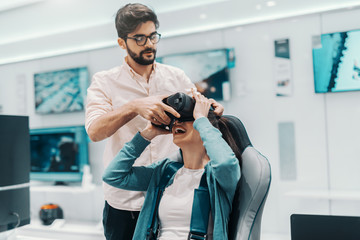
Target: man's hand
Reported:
[(153, 109)]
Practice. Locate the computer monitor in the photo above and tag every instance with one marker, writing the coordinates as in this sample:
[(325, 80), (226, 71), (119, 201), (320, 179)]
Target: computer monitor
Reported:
[(14, 172), (324, 227), (337, 62), (58, 154), (61, 91), (208, 70)]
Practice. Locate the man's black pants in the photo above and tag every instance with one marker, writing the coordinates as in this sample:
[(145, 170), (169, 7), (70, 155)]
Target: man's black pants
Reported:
[(119, 224)]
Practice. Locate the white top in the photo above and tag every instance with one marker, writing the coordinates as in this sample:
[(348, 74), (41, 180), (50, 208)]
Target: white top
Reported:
[(111, 89), (176, 205)]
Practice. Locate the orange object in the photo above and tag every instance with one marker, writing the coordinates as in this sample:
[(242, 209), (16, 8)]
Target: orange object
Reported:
[(49, 206)]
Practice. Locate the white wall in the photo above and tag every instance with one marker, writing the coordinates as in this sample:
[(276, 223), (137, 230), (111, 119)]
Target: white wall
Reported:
[(326, 129), (343, 116)]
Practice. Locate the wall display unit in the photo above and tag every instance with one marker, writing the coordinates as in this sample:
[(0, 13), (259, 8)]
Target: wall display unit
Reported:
[(209, 70), (61, 91), (283, 68), (14, 172), (58, 154), (337, 62)]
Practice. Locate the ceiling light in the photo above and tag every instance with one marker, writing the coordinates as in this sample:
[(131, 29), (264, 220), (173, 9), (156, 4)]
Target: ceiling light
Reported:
[(270, 3), (258, 6), (6, 5), (203, 16), (179, 5)]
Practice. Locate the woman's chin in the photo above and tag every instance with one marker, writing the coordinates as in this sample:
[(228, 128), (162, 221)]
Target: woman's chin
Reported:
[(178, 140)]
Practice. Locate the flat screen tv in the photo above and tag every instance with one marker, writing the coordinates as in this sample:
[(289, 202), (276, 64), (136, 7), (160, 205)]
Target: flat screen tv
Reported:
[(58, 154), (208, 70), (61, 91), (14, 172), (337, 62)]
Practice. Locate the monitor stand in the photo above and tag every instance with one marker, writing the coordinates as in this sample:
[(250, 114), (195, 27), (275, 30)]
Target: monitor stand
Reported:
[(60, 183)]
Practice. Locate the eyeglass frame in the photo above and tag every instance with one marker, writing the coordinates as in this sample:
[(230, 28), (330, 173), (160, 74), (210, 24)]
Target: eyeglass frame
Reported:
[(146, 38)]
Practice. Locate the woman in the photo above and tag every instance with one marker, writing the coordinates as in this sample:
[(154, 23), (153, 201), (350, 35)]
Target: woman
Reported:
[(203, 149)]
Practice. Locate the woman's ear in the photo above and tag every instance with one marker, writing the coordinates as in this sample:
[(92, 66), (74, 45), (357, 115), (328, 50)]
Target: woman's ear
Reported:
[(121, 43)]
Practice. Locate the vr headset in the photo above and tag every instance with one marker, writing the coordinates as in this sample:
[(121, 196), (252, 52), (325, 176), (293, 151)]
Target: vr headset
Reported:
[(183, 104)]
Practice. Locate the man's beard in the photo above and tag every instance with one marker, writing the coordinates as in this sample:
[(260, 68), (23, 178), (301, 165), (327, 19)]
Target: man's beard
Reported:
[(140, 59)]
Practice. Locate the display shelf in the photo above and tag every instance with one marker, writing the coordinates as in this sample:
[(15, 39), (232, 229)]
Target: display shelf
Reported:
[(64, 189), (62, 229)]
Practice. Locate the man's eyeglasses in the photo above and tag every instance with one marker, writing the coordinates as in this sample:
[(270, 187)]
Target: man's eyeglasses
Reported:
[(142, 39)]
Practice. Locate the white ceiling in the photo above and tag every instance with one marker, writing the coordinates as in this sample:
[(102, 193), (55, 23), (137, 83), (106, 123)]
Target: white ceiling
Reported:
[(24, 21)]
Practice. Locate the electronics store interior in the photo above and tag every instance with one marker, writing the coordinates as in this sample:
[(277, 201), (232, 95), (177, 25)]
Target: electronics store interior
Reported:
[(289, 70)]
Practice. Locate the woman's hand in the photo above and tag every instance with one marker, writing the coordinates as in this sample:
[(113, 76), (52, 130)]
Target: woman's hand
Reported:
[(202, 105), (151, 131)]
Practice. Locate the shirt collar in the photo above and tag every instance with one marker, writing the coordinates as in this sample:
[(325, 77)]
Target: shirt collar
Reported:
[(132, 71)]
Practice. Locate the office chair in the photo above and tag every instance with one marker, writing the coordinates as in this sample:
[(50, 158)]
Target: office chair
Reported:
[(252, 189)]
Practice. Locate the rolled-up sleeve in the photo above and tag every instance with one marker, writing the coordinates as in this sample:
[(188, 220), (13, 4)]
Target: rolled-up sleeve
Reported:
[(121, 174), (223, 162), (98, 101)]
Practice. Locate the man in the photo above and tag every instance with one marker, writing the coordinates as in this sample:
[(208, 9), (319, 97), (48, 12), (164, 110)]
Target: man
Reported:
[(122, 100)]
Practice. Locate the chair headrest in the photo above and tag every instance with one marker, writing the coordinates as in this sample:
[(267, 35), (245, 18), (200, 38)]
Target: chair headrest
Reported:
[(238, 132)]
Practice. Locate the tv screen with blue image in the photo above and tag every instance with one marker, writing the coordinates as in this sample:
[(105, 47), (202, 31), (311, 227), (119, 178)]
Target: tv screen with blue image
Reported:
[(58, 154), (61, 91), (337, 62), (208, 70)]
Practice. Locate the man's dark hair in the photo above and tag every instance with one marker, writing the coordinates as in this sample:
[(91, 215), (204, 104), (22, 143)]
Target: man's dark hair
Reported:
[(131, 15)]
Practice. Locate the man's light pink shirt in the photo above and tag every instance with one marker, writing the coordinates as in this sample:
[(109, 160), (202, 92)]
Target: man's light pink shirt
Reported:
[(111, 89)]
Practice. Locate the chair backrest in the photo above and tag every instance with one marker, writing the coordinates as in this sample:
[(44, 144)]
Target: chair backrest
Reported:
[(253, 187)]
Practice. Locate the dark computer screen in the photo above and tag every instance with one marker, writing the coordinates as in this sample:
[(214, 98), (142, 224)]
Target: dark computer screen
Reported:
[(14, 172), (55, 152), (324, 227)]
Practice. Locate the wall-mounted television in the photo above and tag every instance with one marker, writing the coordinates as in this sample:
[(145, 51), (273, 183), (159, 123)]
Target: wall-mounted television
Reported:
[(208, 70), (58, 154), (337, 62), (61, 91)]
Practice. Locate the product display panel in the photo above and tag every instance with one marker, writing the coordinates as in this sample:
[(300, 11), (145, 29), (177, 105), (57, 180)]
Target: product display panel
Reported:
[(208, 70), (337, 62), (58, 154)]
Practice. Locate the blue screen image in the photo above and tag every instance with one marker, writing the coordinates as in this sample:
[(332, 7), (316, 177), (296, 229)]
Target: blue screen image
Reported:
[(54, 153), (337, 62), (58, 154), (60, 91)]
